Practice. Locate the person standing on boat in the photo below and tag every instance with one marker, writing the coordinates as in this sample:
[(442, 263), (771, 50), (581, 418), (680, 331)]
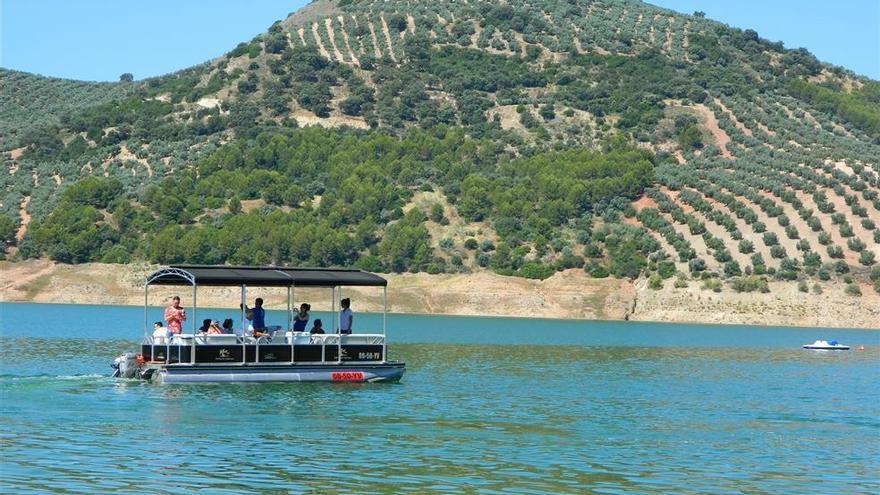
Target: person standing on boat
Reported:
[(346, 317), (259, 315), (302, 318), (175, 315)]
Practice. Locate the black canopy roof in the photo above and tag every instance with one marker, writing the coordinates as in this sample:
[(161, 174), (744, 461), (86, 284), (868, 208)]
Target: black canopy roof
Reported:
[(263, 276)]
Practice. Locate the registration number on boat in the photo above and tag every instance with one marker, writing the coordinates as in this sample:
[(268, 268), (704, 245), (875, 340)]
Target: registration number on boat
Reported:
[(347, 376)]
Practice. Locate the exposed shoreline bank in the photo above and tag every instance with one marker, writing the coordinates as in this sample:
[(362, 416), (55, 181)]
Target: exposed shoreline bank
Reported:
[(567, 295)]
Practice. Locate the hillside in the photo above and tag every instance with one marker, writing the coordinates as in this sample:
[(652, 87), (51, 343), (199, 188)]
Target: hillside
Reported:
[(523, 138)]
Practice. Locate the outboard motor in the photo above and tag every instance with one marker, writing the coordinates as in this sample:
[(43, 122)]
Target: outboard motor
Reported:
[(125, 366)]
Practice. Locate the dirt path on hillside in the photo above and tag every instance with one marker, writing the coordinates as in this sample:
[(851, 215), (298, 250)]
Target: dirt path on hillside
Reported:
[(745, 229), (25, 218), (376, 50), (344, 33), (736, 122), (825, 221), (664, 244), (772, 224), (328, 25), (710, 122), (804, 230), (716, 230), (321, 49), (387, 35)]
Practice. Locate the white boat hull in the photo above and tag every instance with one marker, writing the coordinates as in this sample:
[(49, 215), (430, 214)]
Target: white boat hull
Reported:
[(388, 372)]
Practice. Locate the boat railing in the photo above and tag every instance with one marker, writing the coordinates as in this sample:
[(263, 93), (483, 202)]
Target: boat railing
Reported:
[(174, 343)]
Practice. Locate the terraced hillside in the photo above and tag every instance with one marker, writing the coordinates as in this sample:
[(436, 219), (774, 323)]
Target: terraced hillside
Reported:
[(523, 137)]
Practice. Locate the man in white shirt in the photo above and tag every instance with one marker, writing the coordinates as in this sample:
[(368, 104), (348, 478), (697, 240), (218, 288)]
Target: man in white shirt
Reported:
[(346, 317)]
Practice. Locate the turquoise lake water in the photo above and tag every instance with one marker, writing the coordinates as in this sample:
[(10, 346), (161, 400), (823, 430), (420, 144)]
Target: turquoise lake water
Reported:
[(488, 405)]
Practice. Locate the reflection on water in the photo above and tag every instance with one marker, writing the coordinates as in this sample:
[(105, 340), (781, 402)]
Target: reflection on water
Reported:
[(573, 415)]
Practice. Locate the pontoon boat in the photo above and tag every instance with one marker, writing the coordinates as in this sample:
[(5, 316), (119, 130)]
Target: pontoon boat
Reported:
[(285, 356)]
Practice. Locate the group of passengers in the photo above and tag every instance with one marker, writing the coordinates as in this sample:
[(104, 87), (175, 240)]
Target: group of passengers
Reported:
[(255, 327)]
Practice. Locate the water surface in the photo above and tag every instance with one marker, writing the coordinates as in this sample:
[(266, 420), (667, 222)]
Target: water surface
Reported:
[(488, 405)]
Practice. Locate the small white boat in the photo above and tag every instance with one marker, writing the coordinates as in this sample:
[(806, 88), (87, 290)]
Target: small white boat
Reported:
[(824, 345)]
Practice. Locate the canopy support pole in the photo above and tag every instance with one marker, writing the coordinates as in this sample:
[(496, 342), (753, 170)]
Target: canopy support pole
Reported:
[(192, 357), (384, 322), (290, 294), (243, 323), (289, 306), (339, 319), (146, 302)]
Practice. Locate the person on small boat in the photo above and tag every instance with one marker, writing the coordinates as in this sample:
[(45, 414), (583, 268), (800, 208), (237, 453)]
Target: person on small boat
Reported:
[(175, 315), (317, 328), (206, 324), (228, 325), (346, 317), (302, 318)]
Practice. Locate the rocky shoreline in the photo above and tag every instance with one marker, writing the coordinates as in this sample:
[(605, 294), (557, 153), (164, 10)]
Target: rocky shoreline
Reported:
[(567, 295)]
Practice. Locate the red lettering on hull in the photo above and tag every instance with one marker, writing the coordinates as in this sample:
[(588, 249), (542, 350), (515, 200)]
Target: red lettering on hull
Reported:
[(347, 376)]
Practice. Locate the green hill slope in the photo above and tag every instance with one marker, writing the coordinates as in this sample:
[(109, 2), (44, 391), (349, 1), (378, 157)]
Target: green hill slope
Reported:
[(523, 138)]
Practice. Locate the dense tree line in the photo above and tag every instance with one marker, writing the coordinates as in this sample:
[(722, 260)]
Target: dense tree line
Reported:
[(335, 198)]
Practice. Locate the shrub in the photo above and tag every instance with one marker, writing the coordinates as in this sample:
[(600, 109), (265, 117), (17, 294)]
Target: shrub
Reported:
[(867, 258), (483, 260), (535, 270), (696, 265), (436, 213), (7, 230), (712, 284), (853, 290), (666, 269), (655, 282), (746, 246), (732, 269), (471, 243), (596, 270), (777, 251), (750, 284), (835, 252)]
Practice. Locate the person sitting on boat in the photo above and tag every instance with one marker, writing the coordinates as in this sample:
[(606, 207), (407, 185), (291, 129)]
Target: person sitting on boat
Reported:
[(158, 329), (346, 317), (175, 315), (206, 325), (317, 328), (228, 326), (248, 322), (215, 329), (302, 318)]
